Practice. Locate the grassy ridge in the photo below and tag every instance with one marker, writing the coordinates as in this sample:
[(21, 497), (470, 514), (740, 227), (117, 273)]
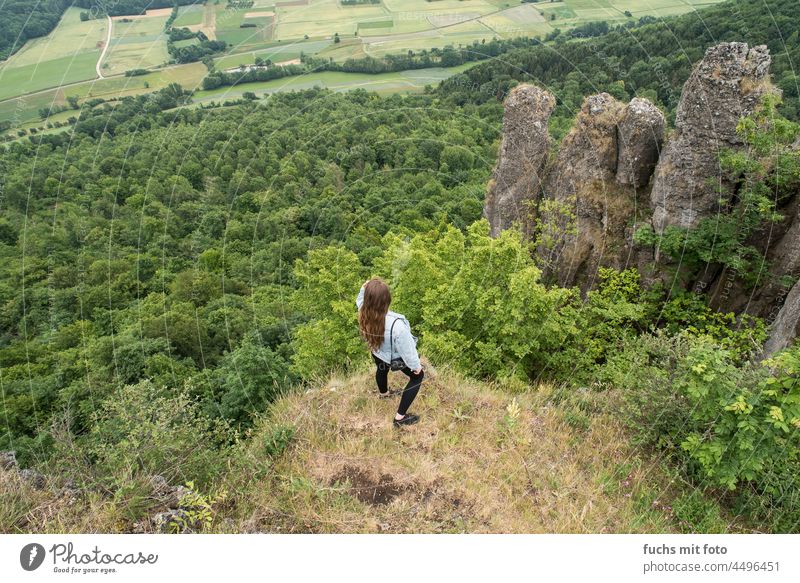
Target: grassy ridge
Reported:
[(481, 460)]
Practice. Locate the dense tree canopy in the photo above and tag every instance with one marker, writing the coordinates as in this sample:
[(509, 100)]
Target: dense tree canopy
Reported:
[(123, 7), (167, 251)]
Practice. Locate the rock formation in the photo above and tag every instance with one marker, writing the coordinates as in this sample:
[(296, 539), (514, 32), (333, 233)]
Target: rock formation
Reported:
[(786, 325), (611, 174), (523, 151), (609, 153), (726, 85), (640, 135)]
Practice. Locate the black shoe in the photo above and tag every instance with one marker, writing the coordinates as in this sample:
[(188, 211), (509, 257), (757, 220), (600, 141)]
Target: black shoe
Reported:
[(408, 419)]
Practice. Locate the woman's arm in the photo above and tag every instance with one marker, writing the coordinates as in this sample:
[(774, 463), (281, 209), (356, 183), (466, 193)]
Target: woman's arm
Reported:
[(360, 298), (405, 346)]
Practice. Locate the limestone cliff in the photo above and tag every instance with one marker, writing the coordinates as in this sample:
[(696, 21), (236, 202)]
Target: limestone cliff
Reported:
[(516, 183), (725, 86)]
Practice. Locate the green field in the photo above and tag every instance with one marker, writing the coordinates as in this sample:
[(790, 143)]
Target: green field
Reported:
[(400, 82), (277, 53), (283, 31), (139, 43), (189, 15), (67, 55)]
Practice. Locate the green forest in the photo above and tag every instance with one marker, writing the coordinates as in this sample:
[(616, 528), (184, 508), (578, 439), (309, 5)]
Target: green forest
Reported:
[(205, 261)]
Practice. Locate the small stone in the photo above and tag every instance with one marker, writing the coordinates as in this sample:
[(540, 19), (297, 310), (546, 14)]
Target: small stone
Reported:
[(34, 478), (8, 460)]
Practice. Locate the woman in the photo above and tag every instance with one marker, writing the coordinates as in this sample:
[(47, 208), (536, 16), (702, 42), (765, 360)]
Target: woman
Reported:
[(388, 336)]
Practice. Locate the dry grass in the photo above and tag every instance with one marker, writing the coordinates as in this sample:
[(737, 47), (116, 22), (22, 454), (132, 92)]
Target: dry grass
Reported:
[(466, 467), (484, 458)]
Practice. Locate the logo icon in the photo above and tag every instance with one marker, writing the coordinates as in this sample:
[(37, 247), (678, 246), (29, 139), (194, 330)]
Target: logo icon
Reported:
[(31, 556)]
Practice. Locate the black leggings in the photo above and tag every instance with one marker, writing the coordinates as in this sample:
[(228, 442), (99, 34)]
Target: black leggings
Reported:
[(411, 390)]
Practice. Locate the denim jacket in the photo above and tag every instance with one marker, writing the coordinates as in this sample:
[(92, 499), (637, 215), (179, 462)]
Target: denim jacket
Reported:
[(403, 342)]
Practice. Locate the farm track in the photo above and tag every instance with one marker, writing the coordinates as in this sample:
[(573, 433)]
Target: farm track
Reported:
[(105, 49)]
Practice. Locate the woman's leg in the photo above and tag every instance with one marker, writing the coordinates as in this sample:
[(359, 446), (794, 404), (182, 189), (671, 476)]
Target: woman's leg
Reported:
[(411, 390), (381, 375)]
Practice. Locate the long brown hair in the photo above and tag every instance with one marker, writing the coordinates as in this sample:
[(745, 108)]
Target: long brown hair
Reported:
[(372, 315)]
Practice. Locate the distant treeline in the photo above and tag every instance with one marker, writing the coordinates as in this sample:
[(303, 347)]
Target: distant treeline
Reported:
[(23, 20), (446, 57), (190, 53), (124, 7)]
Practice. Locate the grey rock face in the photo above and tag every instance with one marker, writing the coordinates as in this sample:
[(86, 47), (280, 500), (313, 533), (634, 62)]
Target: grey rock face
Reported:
[(609, 153), (786, 325), (580, 187), (726, 85), (640, 135), (523, 151)]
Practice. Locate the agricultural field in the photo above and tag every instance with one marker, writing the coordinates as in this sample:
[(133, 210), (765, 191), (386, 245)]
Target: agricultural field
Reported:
[(137, 42), (190, 16), (67, 55), (400, 82), (65, 62)]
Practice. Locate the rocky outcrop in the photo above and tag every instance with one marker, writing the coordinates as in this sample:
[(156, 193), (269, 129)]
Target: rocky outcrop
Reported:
[(611, 174), (516, 180), (787, 325), (34, 479), (726, 85), (591, 188), (640, 135)]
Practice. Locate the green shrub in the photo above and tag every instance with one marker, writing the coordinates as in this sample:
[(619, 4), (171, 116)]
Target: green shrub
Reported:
[(142, 431), (748, 418), (277, 440), (618, 310), (726, 424), (491, 316), (328, 282)]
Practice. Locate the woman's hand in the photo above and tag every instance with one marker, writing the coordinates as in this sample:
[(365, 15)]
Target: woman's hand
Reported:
[(419, 370)]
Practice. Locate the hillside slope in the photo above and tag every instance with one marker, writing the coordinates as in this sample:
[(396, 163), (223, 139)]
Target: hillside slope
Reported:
[(481, 460), (486, 459)]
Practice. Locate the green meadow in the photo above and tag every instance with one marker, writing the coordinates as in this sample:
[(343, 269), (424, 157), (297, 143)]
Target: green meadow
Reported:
[(139, 43), (67, 55)]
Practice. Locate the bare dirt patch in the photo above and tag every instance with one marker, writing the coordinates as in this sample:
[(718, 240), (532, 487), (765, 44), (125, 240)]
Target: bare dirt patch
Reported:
[(366, 487), (259, 14)]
